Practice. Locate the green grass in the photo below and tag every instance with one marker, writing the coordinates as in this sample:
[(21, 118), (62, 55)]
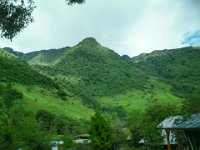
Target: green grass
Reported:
[(36, 98), (154, 91)]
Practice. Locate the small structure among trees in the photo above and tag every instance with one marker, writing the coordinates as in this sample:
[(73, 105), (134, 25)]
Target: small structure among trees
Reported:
[(187, 133)]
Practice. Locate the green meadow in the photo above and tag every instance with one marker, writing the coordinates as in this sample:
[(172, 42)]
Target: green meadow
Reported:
[(37, 98), (154, 91)]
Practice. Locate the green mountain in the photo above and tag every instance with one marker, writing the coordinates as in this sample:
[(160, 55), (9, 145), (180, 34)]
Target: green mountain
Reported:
[(102, 78), (177, 67), (91, 70), (55, 92)]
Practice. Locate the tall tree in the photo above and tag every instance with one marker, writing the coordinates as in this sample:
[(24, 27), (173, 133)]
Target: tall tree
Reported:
[(102, 137), (153, 115), (15, 15)]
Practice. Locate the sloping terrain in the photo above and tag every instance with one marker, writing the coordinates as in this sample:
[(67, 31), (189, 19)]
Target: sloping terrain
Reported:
[(90, 70), (16, 53), (45, 57), (103, 79), (177, 67), (36, 91), (17, 70)]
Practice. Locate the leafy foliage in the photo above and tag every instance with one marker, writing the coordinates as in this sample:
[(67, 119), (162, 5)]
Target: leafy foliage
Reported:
[(18, 130), (9, 94), (27, 132), (15, 16), (45, 57), (176, 67), (46, 119), (70, 2), (13, 69), (102, 137), (191, 106), (59, 124), (61, 94), (153, 115), (67, 126)]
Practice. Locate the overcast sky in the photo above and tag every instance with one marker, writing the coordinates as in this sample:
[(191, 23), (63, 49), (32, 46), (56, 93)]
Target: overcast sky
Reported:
[(127, 26)]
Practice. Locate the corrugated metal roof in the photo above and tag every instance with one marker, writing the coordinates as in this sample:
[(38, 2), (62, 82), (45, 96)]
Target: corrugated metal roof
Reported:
[(177, 123), (192, 123), (169, 122)]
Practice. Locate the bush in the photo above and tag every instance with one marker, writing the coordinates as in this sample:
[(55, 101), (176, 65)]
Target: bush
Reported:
[(46, 119)]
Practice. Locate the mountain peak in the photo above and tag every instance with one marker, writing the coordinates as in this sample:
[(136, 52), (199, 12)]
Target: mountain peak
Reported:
[(89, 41), (8, 49), (16, 53)]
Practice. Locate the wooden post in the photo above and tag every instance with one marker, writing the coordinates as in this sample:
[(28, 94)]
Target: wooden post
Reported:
[(189, 140), (178, 140), (168, 139)]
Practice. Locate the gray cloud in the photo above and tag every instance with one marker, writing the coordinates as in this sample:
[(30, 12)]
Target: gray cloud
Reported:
[(127, 26)]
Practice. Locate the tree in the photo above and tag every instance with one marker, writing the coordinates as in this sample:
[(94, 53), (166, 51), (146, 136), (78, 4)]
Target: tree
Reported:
[(26, 131), (134, 120), (152, 116), (120, 132), (6, 136), (46, 119), (191, 106), (15, 15), (102, 137), (70, 2)]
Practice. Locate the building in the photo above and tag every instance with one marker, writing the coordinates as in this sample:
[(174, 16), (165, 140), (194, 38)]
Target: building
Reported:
[(180, 132), (167, 123), (187, 133)]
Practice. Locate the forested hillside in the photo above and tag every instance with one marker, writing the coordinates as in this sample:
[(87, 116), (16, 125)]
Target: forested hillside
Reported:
[(17, 70), (91, 70), (45, 57), (177, 67)]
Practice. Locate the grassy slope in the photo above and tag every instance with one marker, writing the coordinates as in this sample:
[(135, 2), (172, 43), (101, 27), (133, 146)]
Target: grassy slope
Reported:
[(154, 91), (36, 98)]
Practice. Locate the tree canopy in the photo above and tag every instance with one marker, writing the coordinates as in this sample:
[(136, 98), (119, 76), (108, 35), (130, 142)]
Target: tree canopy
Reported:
[(102, 137), (70, 2), (16, 15)]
